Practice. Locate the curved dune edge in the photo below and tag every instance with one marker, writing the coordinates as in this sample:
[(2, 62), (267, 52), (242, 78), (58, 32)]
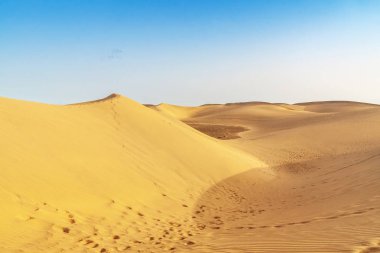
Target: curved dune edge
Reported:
[(105, 176)]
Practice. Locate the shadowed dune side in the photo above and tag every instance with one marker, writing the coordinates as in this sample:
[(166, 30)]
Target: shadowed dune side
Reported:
[(333, 208), (219, 131)]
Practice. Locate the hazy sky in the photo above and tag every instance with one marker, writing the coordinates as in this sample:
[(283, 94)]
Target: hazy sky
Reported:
[(190, 52)]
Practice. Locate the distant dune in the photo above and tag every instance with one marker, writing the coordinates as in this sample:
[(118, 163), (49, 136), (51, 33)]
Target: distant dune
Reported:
[(112, 175)]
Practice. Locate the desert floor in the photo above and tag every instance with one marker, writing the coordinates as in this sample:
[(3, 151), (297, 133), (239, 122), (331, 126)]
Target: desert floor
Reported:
[(113, 175)]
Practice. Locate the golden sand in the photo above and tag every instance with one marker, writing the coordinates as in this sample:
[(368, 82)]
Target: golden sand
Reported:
[(115, 176)]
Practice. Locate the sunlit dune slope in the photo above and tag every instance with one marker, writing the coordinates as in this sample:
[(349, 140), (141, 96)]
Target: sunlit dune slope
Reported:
[(326, 193), (104, 176)]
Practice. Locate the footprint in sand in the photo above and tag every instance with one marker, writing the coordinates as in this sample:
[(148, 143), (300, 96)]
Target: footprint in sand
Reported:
[(374, 247), (66, 230)]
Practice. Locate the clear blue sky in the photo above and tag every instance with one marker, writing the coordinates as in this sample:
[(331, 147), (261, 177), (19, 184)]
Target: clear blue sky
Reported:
[(190, 52)]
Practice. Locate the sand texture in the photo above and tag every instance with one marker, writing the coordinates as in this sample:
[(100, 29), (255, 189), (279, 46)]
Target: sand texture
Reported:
[(113, 175)]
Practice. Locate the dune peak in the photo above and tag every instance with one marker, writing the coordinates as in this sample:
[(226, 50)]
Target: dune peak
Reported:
[(110, 97)]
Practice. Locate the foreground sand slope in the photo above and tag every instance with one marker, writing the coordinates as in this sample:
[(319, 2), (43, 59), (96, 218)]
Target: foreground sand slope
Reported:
[(326, 193), (105, 176)]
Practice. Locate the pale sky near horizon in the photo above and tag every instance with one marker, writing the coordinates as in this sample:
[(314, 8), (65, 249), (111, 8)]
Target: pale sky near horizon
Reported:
[(190, 52)]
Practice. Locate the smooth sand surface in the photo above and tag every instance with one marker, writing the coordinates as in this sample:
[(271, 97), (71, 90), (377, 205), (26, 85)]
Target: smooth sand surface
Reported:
[(115, 176)]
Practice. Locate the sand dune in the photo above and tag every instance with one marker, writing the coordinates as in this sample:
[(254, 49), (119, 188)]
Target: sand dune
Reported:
[(326, 193), (115, 176), (104, 176)]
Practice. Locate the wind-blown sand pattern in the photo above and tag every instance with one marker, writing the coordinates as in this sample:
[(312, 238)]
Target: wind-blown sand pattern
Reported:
[(115, 176)]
